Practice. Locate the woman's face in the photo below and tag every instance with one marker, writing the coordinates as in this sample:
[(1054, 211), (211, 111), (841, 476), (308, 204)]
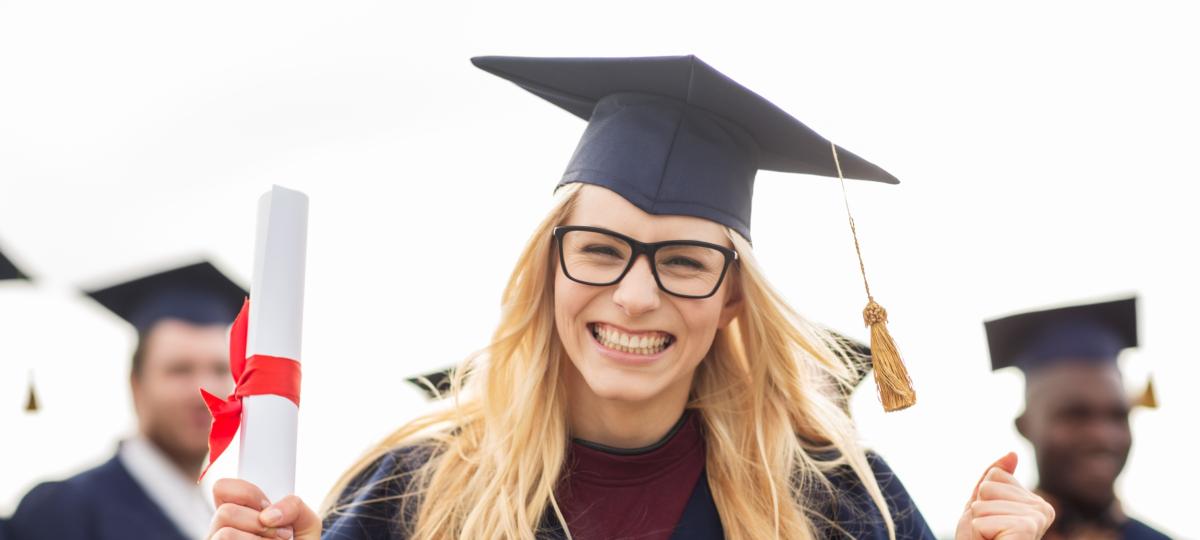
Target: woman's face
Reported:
[(590, 318)]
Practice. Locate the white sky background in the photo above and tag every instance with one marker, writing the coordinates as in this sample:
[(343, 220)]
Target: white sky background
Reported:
[(1045, 150)]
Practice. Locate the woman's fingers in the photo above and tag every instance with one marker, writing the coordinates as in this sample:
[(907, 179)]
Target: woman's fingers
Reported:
[(1009, 527), (991, 490), (243, 512), (245, 519), (1006, 464), (290, 511), (998, 475), (239, 492), (1001, 509), (229, 533)]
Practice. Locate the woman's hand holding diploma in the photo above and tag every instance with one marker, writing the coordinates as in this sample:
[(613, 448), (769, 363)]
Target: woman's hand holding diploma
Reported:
[(243, 513), (1001, 509)]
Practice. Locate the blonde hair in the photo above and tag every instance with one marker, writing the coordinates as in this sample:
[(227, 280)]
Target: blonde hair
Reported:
[(767, 394)]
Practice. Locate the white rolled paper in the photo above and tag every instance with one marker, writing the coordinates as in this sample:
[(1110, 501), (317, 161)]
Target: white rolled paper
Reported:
[(267, 456)]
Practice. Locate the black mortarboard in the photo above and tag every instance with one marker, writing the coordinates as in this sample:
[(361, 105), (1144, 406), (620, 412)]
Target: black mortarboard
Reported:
[(672, 135), (197, 293), (1090, 332), (856, 354), (8, 270), (435, 385)]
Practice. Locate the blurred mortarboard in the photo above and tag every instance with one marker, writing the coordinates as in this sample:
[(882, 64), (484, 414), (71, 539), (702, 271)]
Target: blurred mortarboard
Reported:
[(856, 354), (1090, 332), (435, 385), (8, 270), (672, 135), (197, 293)]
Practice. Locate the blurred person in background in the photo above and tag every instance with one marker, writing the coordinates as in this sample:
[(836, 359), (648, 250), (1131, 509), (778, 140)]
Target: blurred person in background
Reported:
[(1076, 410), (149, 489)]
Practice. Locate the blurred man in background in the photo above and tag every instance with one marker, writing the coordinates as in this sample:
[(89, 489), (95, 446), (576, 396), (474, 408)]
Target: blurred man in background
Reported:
[(148, 489), (1076, 410)]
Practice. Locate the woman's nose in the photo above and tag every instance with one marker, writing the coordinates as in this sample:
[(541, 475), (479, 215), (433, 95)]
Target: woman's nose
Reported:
[(637, 292)]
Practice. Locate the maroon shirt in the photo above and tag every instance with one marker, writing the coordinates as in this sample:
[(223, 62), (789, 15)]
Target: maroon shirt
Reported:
[(609, 493)]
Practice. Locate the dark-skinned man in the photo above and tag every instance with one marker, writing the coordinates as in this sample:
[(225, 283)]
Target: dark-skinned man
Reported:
[(148, 489), (1076, 410)]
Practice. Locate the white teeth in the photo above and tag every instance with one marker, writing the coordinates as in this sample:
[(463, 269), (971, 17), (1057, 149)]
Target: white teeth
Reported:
[(620, 341)]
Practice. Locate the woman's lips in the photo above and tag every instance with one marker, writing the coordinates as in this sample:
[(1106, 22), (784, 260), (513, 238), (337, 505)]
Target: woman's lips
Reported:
[(656, 344)]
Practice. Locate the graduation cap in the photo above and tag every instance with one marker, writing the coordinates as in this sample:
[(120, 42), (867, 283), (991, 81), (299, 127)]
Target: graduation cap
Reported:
[(197, 293), (435, 385), (1088, 332), (672, 135), (8, 270), (1094, 333)]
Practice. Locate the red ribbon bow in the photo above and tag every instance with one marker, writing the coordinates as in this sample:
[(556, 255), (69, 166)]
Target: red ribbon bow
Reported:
[(255, 376)]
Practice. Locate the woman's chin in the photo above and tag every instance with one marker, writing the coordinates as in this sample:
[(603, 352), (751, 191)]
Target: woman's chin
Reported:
[(623, 387)]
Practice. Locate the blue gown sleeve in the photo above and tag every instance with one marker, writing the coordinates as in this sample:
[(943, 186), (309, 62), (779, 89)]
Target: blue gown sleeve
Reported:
[(376, 504), (852, 513)]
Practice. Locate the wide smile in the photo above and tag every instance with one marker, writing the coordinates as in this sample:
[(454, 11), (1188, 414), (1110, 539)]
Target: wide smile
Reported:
[(628, 345)]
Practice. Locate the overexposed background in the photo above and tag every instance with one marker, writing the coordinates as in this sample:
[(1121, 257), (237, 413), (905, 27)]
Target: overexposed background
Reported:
[(1046, 150)]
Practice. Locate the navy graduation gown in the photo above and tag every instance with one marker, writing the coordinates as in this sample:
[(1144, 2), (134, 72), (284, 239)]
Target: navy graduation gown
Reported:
[(104, 503), (375, 513), (1136, 530)]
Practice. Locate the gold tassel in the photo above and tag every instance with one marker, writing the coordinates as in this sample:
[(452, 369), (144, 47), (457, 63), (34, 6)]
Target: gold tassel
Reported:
[(31, 402), (895, 386), (1148, 399)]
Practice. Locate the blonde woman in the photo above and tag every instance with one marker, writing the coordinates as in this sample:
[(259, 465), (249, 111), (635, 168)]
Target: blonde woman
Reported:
[(645, 381)]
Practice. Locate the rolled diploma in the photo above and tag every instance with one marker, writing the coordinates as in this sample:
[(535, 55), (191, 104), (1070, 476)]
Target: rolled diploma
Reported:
[(267, 455)]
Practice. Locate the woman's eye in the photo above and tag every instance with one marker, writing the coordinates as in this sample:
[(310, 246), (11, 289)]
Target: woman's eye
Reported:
[(602, 250), (685, 262)]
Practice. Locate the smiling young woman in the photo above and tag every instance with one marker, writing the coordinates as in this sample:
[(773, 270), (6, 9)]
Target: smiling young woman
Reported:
[(645, 381)]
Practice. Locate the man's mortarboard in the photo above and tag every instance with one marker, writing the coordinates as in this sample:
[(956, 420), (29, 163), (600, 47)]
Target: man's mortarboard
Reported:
[(1089, 332), (197, 293), (672, 135)]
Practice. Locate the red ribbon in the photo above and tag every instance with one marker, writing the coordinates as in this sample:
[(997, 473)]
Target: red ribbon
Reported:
[(255, 376)]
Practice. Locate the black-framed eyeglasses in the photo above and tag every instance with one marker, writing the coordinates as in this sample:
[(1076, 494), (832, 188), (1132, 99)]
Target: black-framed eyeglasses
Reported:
[(684, 268)]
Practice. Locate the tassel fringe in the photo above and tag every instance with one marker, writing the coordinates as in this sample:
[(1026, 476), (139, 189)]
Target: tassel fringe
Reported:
[(31, 402), (895, 387), (1148, 399)]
